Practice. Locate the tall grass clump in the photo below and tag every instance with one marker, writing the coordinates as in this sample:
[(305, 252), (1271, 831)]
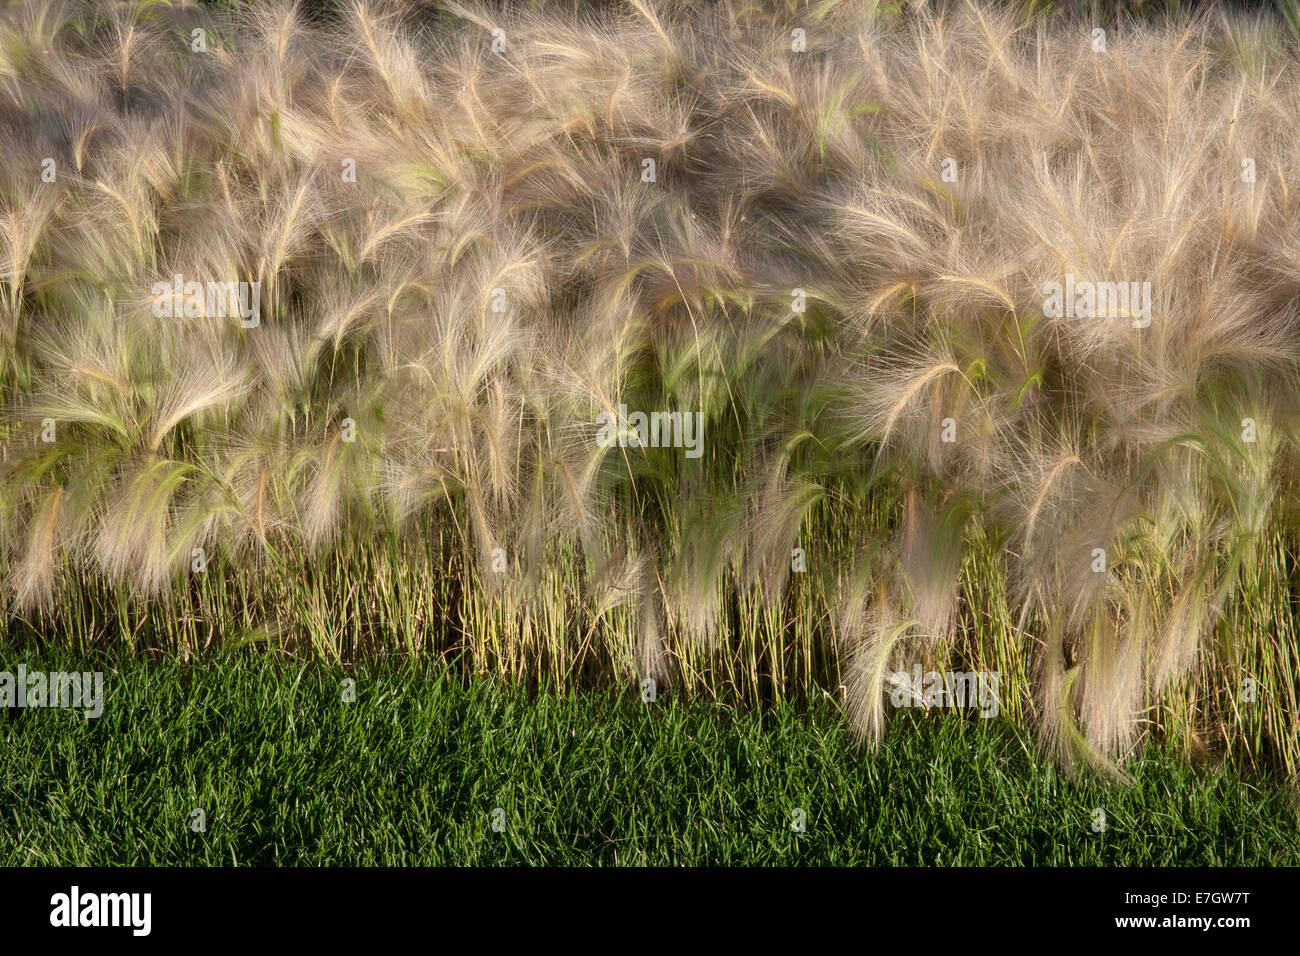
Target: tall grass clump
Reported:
[(476, 229)]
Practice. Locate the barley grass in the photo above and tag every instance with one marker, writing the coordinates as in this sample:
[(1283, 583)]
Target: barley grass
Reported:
[(500, 273)]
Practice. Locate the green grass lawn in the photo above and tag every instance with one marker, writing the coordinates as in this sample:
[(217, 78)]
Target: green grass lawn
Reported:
[(411, 772)]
